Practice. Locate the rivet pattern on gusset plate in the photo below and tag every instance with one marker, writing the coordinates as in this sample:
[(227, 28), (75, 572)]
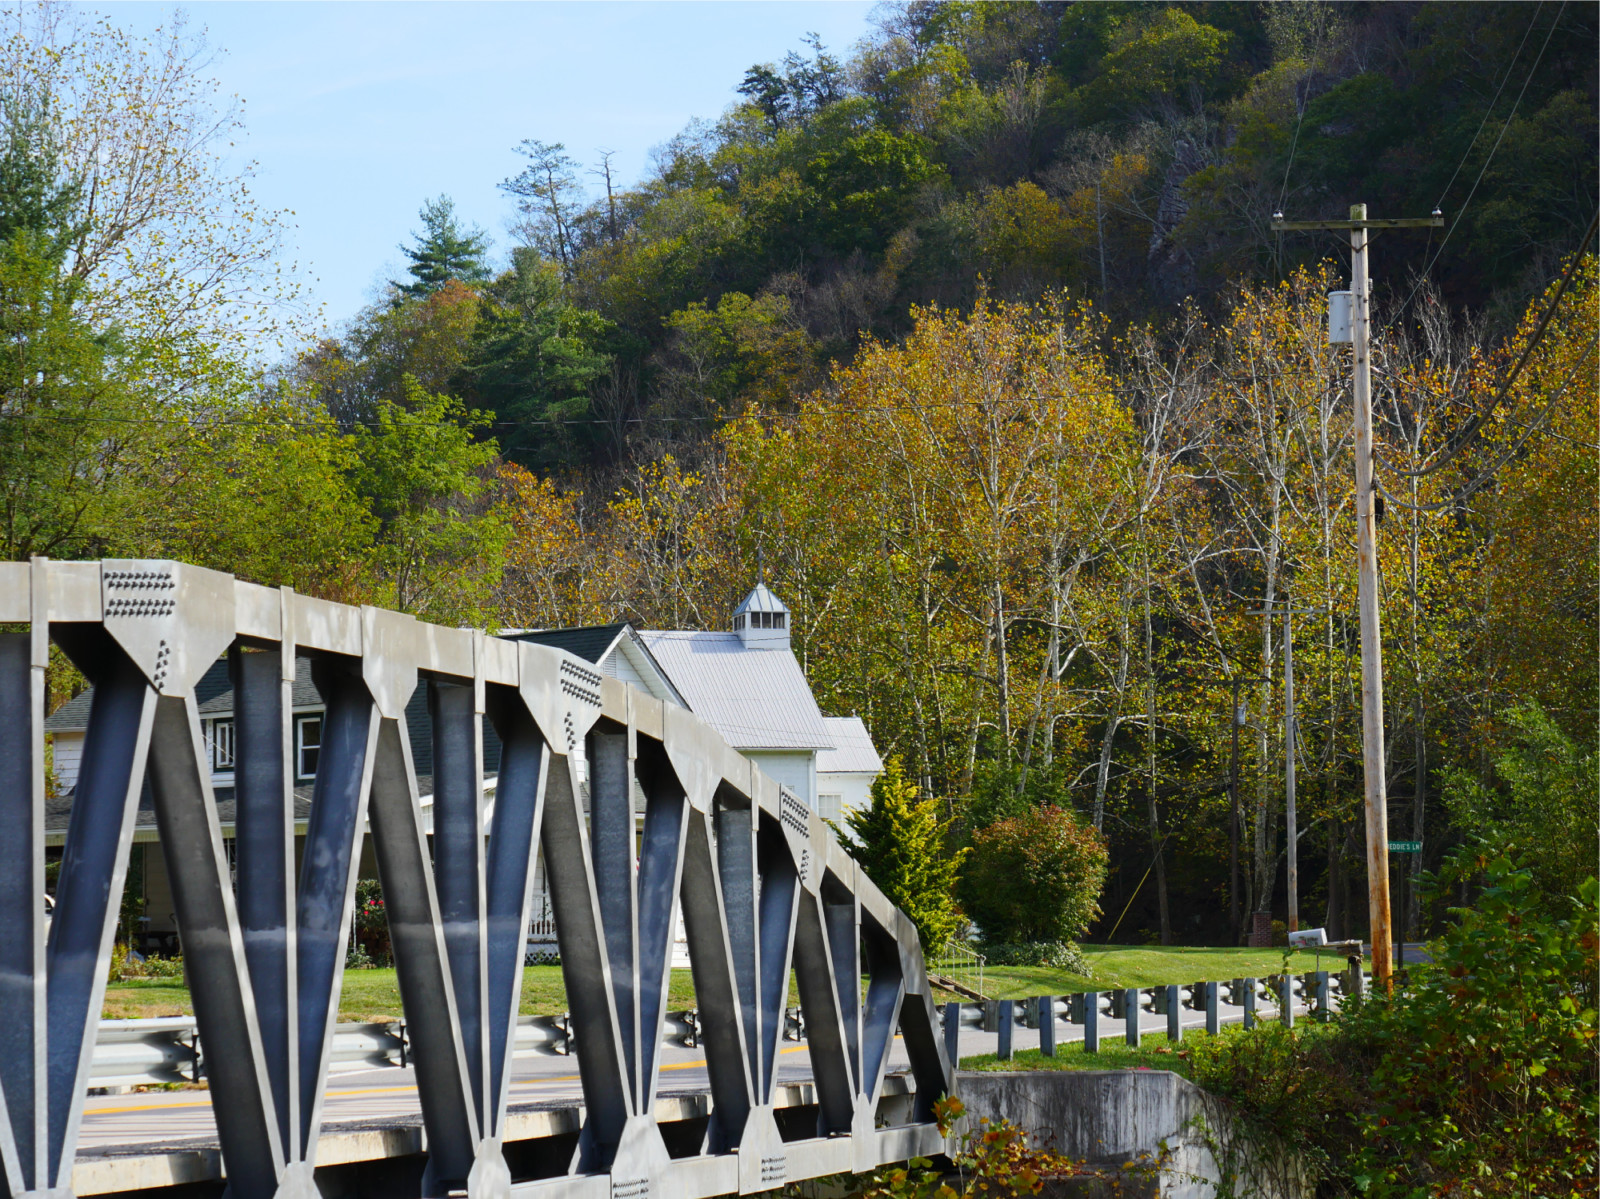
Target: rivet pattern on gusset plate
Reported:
[(582, 685), (793, 813), (129, 579), (138, 581), (140, 607)]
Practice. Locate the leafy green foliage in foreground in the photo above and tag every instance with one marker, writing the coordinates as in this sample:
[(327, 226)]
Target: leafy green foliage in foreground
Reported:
[(1476, 1077), (1484, 1076)]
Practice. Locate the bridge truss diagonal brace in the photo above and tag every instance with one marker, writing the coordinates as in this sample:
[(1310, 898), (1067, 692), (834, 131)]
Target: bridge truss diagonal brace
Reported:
[(641, 813)]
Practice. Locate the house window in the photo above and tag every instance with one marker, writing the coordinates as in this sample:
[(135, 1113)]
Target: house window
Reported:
[(308, 744), (830, 807), (738, 622), (778, 618), (219, 745)]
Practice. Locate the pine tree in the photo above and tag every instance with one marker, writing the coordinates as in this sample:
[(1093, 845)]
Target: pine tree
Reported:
[(444, 251), (904, 848)]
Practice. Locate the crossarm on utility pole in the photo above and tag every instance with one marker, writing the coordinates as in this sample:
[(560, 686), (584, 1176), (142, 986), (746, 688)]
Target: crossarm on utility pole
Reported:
[(1425, 222)]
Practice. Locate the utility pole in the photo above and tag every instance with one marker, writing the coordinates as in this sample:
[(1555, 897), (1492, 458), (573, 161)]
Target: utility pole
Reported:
[(1290, 744), (1372, 763)]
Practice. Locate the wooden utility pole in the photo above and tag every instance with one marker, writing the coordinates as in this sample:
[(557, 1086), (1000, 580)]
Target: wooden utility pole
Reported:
[(1372, 761), (1290, 742)]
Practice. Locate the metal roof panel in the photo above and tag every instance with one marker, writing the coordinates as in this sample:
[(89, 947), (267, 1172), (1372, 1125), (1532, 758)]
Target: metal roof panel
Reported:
[(756, 698), (852, 752)]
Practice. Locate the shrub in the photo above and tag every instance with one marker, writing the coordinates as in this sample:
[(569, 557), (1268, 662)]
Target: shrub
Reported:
[(1485, 1075), (372, 922), (995, 1160), (1035, 877), (1061, 955), (904, 848), (1295, 1089), (1476, 1077), (125, 966)]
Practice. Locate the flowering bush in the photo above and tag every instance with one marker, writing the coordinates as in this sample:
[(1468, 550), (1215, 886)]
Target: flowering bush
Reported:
[(372, 922)]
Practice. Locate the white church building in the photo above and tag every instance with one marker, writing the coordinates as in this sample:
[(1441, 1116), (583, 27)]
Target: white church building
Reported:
[(747, 684), (744, 682)]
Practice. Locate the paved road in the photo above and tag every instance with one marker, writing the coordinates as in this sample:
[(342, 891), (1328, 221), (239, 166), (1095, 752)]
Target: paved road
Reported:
[(164, 1118)]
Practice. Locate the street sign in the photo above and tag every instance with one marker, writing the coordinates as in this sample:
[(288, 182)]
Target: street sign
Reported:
[(1405, 847)]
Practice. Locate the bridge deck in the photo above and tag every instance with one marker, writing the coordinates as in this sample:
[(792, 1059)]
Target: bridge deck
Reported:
[(164, 1138)]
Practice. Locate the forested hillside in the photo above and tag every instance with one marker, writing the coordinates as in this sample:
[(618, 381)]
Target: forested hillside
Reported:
[(977, 337), (1131, 154)]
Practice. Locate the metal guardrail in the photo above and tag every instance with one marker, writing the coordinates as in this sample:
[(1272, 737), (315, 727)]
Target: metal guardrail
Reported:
[(132, 1053), (765, 892), (141, 1052), (1278, 997), (168, 1050)]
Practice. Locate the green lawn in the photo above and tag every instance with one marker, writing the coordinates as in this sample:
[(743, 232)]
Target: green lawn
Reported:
[(374, 994), (1114, 1055), (367, 995), (1115, 967)]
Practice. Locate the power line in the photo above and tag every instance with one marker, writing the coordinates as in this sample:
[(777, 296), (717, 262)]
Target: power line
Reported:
[(1489, 111), (1510, 116), (1484, 477), (1470, 429)]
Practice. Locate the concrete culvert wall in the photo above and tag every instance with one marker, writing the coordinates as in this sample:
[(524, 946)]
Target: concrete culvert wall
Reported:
[(1182, 1142)]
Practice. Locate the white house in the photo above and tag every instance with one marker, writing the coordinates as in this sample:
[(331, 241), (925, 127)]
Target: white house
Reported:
[(746, 683)]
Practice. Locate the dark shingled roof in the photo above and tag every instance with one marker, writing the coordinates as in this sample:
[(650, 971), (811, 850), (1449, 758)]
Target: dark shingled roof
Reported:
[(216, 699), (589, 643)]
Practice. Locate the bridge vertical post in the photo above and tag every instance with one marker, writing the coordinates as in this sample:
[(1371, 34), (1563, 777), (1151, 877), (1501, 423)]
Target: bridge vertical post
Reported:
[(1213, 1013), (1007, 1022), (952, 1032), (1091, 1021), (1047, 1025)]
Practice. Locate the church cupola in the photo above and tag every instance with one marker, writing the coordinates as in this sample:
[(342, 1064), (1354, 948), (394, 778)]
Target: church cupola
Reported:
[(761, 621)]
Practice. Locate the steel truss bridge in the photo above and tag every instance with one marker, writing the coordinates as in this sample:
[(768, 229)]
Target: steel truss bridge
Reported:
[(762, 885)]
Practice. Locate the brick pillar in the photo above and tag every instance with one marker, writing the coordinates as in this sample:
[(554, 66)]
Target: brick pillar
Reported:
[(1260, 930)]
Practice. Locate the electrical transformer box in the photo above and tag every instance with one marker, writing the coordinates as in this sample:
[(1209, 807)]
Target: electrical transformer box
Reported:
[(1339, 317)]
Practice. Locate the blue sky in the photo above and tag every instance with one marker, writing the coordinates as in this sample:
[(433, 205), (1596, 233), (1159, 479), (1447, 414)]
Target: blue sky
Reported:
[(357, 112)]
